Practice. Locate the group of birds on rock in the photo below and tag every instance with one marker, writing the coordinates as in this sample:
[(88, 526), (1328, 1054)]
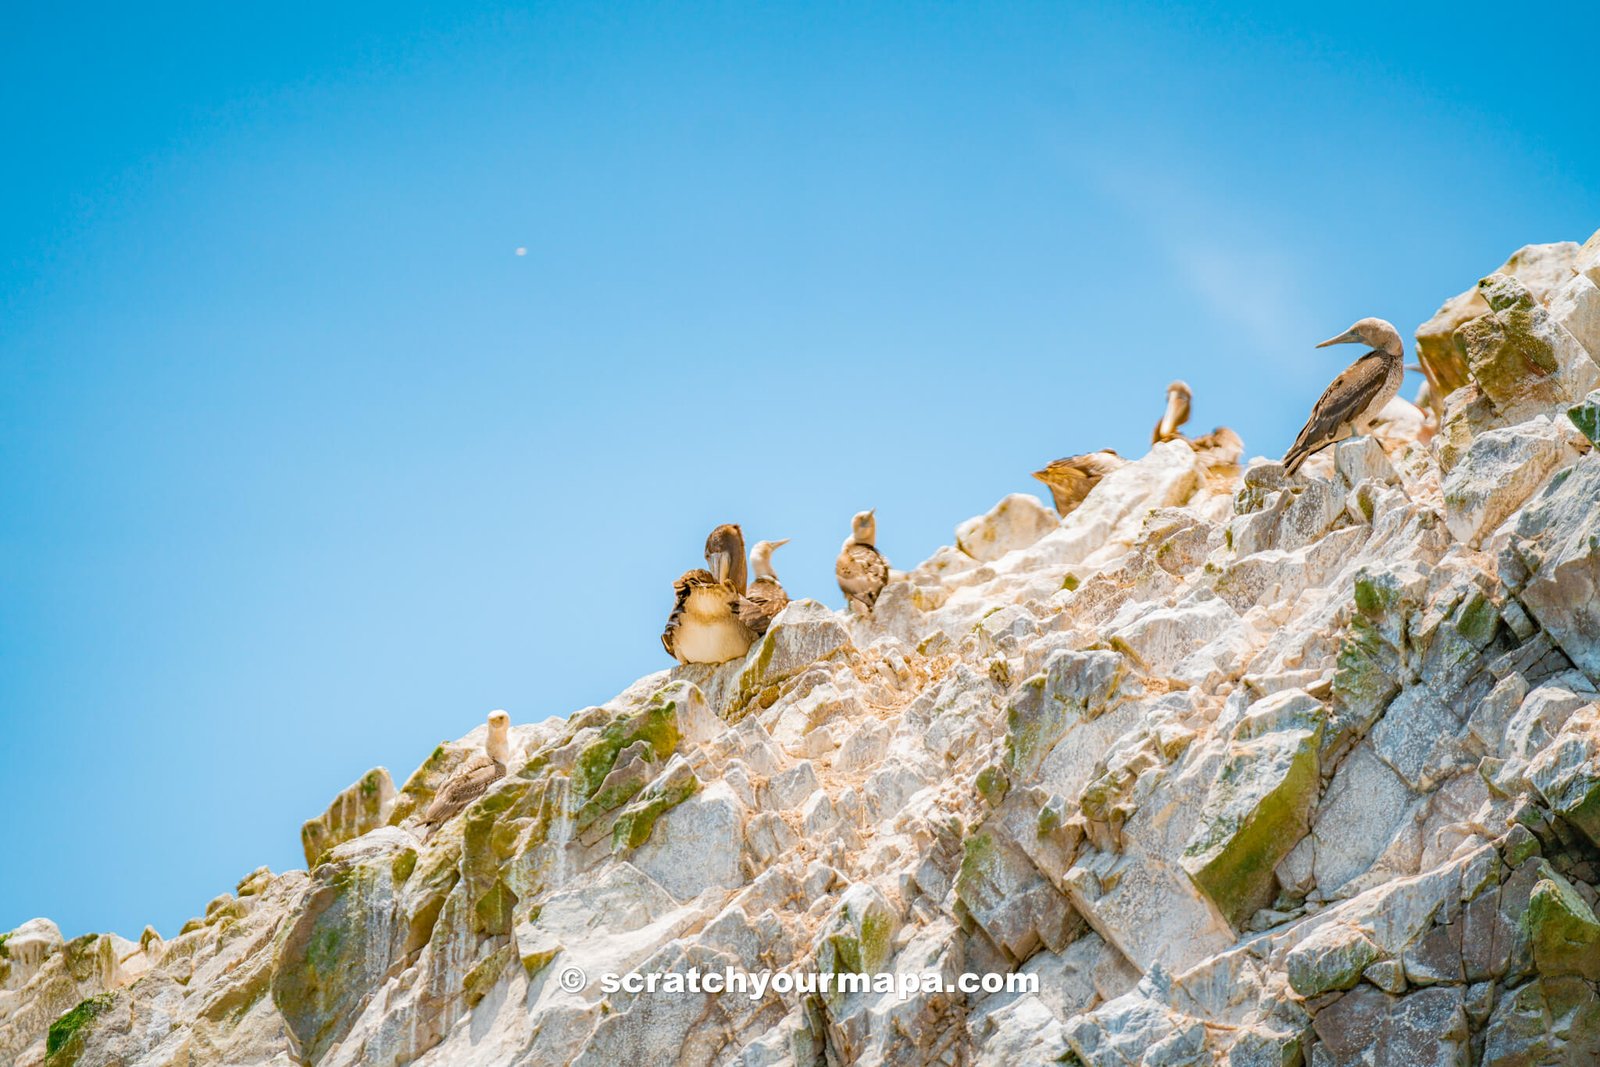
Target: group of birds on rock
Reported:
[(717, 613), (1070, 478), (1347, 408), (720, 611)]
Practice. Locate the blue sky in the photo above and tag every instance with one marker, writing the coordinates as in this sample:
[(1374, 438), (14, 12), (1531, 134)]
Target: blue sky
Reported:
[(304, 469)]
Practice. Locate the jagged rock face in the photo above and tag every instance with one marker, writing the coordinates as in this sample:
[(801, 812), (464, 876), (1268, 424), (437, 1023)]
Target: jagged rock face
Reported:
[(1244, 768)]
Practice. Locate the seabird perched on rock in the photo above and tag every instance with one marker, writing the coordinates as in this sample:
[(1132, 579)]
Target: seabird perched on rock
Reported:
[(704, 626), (1177, 413), (861, 569), (1071, 477), (765, 597), (1352, 402), (474, 777), (1219, 448)]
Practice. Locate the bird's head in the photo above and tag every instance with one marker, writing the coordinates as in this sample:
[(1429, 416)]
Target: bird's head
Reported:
[(725, 555), (761, 558), (1378, 333), (499, 743), (1177, 413), (864, 527)]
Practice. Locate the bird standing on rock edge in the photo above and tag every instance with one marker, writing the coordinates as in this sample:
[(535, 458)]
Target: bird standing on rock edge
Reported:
[(765, 596), (704, 626), (1351, 404), (474, 777), (861, 569)]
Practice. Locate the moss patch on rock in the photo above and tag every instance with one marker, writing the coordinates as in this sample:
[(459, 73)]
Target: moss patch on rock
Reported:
[(1256, 811), (656, 724), (637, 821), (1563, 930), (65, 1029)]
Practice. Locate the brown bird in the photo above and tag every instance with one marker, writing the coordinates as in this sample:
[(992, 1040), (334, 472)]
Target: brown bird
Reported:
[(1352, 402), (861, 569), (765, 597), (474, 777), (1070, 479), (1177, 413), (704, 625), (725, 555), (1219, 448)]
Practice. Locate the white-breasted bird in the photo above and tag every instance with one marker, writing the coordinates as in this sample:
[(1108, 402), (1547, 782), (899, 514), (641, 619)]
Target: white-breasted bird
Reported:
[(704, 625), (474, 777), (861, 569), (765, 596)]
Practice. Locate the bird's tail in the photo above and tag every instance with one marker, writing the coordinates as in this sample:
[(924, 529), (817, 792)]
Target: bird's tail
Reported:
[(1297, 454)]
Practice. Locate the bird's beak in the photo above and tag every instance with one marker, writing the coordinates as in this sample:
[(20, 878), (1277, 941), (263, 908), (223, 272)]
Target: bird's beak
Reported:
[(780, 544), (872, 513), (721, 564), (1343, 338)]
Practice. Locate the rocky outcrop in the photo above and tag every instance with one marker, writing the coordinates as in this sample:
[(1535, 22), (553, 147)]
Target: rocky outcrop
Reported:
[(1242, 768)]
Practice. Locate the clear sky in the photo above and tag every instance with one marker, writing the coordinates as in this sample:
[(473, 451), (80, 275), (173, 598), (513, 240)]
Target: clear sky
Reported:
[(303, 468)]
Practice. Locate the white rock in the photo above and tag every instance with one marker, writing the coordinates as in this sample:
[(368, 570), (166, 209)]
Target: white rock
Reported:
[(1016, 522), (1500, 470)]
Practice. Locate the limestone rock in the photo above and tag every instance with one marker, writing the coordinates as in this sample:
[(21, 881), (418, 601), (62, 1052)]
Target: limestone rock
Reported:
[(1245, 769), (1566, 772), (1524, 361), (1334, 957), (1554, 560), (1542, 268), (339, 945), (1016, 522), (1499, 471), (1259, 806), (364, 805)]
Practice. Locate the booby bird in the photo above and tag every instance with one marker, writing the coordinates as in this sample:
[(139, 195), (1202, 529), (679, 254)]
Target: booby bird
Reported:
[(1177, 413), (704, 626), (1219, 448), (1071, 477), (765, 597), (474, 777), (861, 569), (1352, 402)]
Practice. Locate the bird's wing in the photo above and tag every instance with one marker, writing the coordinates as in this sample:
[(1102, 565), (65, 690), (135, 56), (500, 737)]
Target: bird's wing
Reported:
[(680, 589), (862, 572), (1071, 477), (758, 607), (469, 783), (1345, 399)]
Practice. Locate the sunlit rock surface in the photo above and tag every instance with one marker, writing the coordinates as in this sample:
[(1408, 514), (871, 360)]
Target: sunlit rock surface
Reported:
[(1243, 768)]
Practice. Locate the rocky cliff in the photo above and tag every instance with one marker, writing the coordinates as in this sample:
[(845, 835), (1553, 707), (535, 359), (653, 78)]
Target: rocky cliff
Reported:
[(1246, 769)]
